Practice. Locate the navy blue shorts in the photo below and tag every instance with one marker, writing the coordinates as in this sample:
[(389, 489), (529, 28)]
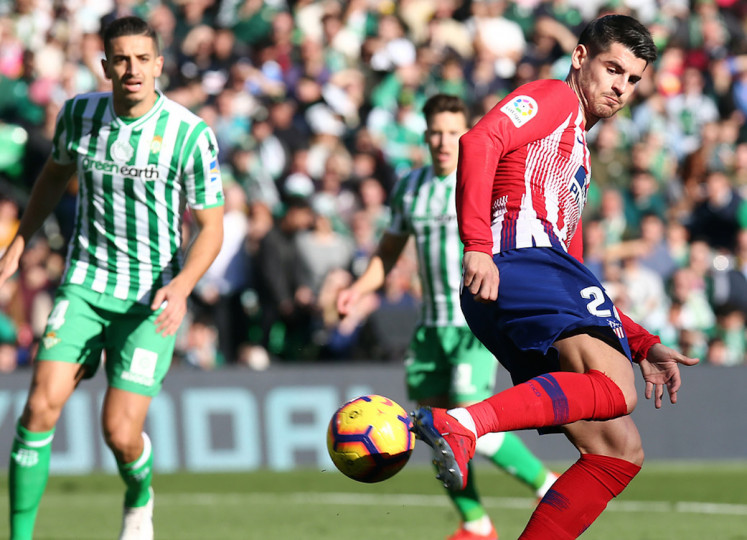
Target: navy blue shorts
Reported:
[(544, 295)]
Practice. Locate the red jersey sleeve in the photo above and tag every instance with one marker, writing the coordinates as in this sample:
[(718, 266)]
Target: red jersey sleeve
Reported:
[(528, 114), (639, 339)]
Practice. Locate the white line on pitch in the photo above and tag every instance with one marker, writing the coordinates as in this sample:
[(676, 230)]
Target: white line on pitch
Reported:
[(387, 499)]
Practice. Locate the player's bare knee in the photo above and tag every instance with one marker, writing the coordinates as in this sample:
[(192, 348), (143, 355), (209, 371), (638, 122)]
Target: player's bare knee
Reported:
[(626, 384), (124, 441), (40, 413), (631, 398), (638, 457), (626, 443), (632, 453)]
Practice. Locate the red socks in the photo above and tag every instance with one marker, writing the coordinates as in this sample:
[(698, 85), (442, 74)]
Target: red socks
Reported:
[(578, 497), (552, 399)]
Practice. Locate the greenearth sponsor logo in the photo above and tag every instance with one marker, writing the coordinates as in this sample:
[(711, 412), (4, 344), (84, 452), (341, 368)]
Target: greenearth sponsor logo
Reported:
[(434, 219), (149, 172)]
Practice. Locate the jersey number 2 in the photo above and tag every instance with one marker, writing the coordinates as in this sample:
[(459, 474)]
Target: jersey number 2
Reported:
[(596, 299)]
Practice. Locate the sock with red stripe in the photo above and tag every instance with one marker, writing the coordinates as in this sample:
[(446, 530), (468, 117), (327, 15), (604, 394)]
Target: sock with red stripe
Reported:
[(578, 497), (553, 399)]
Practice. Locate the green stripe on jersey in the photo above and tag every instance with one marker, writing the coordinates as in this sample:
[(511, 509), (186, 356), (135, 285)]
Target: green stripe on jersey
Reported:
[(424, 205), (135, 178), (443, 249)]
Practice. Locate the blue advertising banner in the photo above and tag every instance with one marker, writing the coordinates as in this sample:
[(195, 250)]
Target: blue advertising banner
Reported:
[(236, 419)]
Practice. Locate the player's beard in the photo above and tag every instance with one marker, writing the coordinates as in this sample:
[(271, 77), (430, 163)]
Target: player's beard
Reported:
[(604, 112), (606, 109)]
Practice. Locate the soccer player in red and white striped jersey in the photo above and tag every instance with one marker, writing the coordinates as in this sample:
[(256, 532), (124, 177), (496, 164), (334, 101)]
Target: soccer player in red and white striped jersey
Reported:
[(522, 182)]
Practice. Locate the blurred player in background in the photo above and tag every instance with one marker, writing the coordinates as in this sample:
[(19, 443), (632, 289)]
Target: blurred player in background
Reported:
[(446, 366), (138, 157), (522, 182)]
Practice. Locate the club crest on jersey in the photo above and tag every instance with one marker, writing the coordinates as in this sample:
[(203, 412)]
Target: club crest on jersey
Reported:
[(155, 144), (617, 328), (520, 110), (122, 151), (49, 340)]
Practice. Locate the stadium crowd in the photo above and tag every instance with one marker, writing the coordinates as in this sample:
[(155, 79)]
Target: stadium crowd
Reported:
[(316, 105)]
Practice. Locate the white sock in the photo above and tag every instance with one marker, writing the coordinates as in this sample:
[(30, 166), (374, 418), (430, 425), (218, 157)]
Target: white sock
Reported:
[(481, 526), (489, 444), (549, 481), (464, 418)]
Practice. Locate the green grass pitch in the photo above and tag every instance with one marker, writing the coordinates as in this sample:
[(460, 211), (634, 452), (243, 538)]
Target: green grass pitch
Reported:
[(676, 501)]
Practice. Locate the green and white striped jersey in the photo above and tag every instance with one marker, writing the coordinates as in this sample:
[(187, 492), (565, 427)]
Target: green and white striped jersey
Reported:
[(423, 205), (135, 178)]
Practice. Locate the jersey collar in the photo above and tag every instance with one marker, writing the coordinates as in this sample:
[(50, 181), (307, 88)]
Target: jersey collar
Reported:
[(138, 122)]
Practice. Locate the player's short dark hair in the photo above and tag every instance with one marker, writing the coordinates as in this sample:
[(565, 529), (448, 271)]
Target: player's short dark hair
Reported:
[(601, 33), (129, 26), (444, 103)]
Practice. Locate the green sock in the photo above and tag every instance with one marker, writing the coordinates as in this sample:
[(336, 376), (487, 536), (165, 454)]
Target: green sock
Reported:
[(514, 457), (137, 476), (467, 501), (27, 477)]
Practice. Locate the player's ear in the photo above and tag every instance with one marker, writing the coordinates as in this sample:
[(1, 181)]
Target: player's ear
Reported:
[(579, 55), (104, 66), (158, 68)]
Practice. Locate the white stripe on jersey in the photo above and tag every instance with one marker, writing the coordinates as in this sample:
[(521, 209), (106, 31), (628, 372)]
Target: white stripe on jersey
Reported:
[(119, 210), (540, 162), (428, 211)]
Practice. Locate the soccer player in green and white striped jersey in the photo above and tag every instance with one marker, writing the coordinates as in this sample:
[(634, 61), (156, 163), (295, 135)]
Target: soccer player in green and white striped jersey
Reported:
[(140, 159), (446, 365)]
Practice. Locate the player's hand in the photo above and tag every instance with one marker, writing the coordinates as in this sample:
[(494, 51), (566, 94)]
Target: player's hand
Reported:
[(346, 300), (9, 260), (481, 276), (661, 368), (173, 299)]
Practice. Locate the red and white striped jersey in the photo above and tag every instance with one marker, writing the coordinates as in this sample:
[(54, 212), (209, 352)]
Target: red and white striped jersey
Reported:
[(524, 171)]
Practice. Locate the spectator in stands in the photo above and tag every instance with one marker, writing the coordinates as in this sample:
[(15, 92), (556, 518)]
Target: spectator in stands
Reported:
[(642, 196), (654, 252), (691, 110), (284, 285), (217, 296), (731, 331), (321, 249), (716, 218)]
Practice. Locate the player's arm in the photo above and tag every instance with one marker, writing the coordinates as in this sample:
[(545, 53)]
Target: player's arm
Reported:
[(382, 261), (202, 178), (201, 254), (479, 152), (502, 130), (46, 193)]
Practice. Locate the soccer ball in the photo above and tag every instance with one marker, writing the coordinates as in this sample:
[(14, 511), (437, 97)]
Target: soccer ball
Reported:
[(369, 438)]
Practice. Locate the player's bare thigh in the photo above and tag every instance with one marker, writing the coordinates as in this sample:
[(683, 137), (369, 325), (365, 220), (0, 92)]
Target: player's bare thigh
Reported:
[(52, 383), (581, 352), (617, 437)]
